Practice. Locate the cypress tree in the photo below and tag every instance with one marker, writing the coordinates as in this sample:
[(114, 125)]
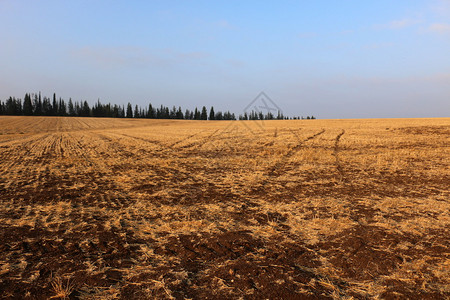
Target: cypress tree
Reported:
[(204, 115), (86, 110), (71, 108), (151, 112), (211, 113), (197, 114), (180, 113), (129, 110), (54, 111), (27, 106)]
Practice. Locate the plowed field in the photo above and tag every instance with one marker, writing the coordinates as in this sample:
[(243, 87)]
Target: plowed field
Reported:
[(144, 209)]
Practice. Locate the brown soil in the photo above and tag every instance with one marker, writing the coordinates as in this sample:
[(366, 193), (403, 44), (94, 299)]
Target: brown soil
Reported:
[(145, 209)]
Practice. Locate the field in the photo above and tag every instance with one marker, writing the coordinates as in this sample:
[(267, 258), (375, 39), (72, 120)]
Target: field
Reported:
[(144, 209)]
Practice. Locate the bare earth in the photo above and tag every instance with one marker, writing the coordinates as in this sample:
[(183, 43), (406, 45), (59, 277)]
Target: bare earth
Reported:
[(136, 209)]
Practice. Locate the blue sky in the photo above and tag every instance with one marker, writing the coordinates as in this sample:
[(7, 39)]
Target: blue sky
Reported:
[(331, 59)]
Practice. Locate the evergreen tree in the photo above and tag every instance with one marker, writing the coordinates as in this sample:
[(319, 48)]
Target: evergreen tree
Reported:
[(129, 110), (27, 106), (211, 113), (9, 106), (180, 113), (197, 114), (187, 114), (71, 108), (280, 116), (166, 113), (159, 112), (46, 107), (77, 109), (34, 105), (62, 108), (54, 110), (86, 110), (173, 113), (151, 114), (37, 106), (204, 115), (40, 105)]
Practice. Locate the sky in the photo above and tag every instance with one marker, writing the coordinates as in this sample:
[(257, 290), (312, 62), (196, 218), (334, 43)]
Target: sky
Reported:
[(331, 59)]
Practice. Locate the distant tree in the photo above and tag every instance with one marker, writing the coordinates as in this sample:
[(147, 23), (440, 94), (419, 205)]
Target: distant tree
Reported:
[(115, 111), (18, 108), (159, 112), (33, 104), (62, 108), (107, 110), (37, 105), (180, 113), (204, 115), (46, 107), (71, 108), (129, 110), (166, 113), (54, 109), (77, 108), (39, 108), (27, 106), (151, 114), (173, 113), (10, 106), (86, 110), (197, 115), (212, 114), (187, 114)]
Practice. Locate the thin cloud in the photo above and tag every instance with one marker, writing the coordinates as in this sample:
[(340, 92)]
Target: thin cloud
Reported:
[(398, 24), (123, 57), (224, 24), (441, 28)]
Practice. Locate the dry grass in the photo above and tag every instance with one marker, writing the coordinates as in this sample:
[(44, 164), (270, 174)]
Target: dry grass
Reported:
[(138, 209), (61, 288)]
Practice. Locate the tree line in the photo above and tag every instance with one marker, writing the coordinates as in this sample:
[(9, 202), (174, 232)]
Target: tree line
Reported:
[(35, 105)]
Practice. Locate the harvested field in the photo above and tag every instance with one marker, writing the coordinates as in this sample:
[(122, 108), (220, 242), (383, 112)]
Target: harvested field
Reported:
[(144, 209)]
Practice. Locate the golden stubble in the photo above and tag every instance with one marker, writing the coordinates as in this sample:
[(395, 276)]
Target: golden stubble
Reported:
[(293, 182)]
